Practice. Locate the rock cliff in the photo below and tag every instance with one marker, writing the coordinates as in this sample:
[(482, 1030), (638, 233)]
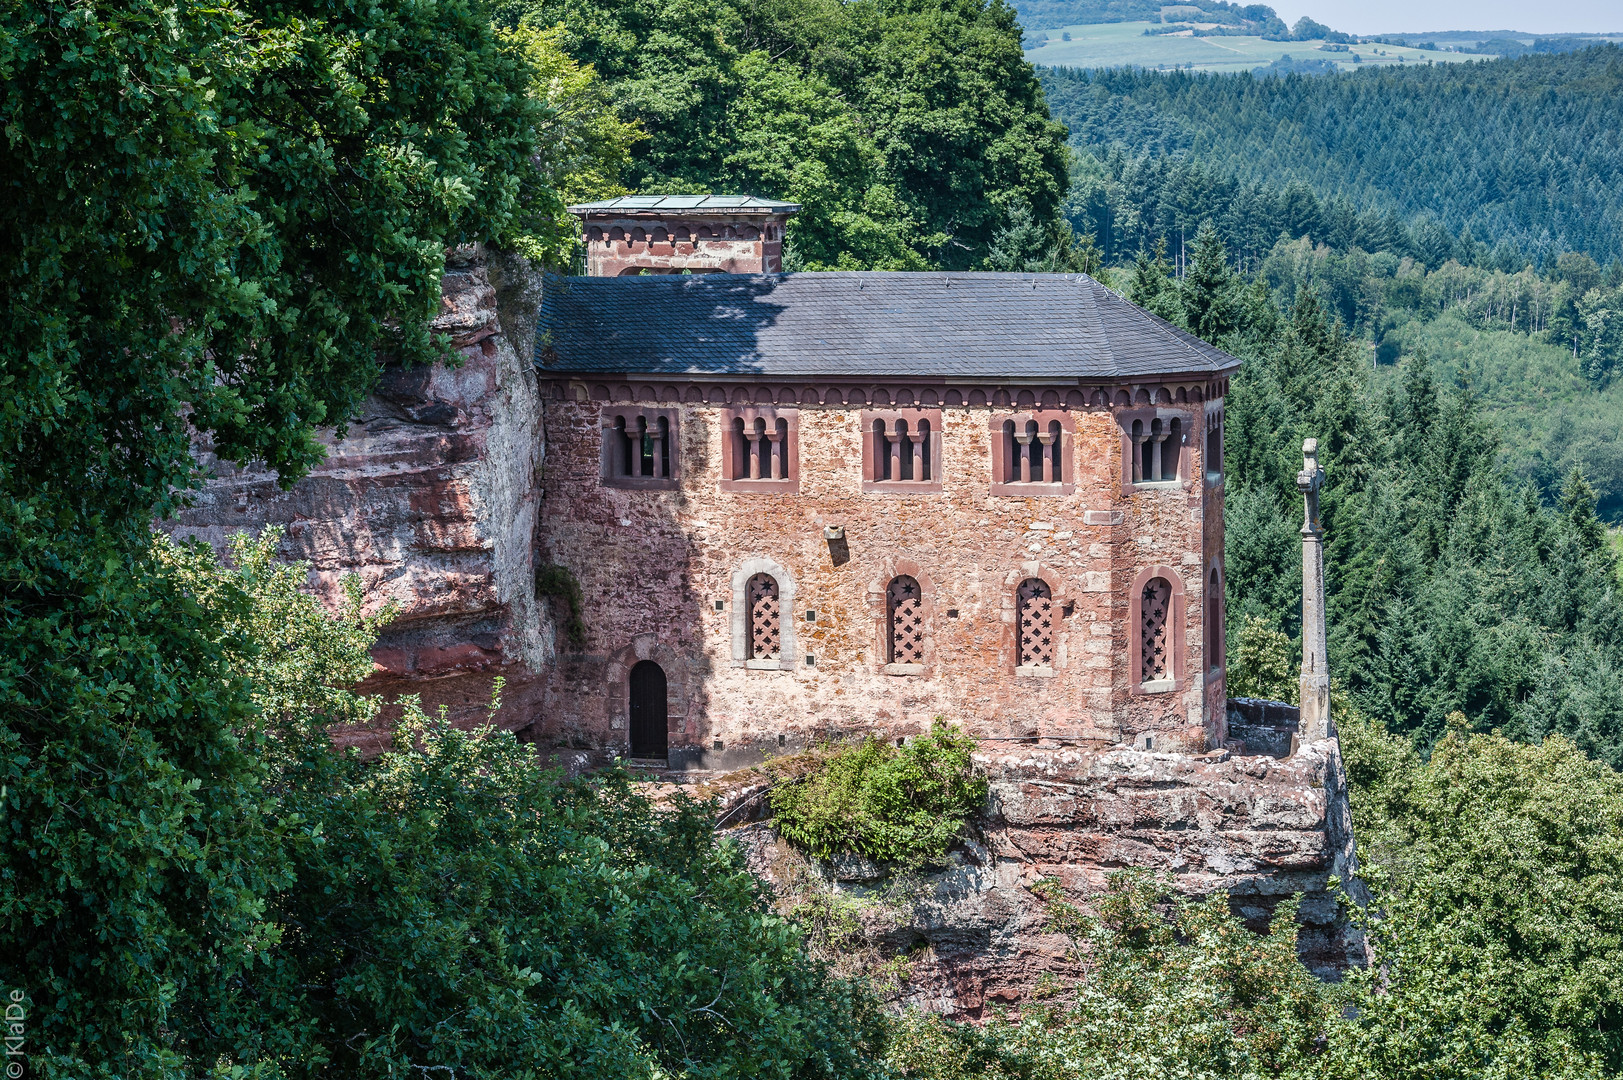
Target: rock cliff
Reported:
[(1258, 827), (430, 498)]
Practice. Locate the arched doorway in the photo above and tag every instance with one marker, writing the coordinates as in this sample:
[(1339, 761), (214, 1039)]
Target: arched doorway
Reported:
[(647, 686)]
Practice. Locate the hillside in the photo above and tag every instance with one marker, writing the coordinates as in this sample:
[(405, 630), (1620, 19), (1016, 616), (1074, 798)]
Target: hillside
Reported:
[(1524, 152), (1159, 46)]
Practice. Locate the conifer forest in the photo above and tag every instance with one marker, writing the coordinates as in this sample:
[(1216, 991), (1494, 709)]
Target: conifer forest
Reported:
[(223, 220)]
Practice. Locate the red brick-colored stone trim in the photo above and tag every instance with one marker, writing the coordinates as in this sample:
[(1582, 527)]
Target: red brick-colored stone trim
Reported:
[(870, 450), (630, 414), (1175, 630), (730, 463), (1005, 481)]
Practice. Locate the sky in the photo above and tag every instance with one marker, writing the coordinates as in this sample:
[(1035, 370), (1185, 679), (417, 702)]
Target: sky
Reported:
[(1414, 16)]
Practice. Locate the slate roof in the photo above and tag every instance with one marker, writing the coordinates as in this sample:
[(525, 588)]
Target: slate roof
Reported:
[(688, 204), (852, 324)]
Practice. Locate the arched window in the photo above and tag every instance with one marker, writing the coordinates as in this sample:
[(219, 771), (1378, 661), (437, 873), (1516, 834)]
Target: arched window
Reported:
[(760, 448), (1155, 650), (1214, 621), (639, 447), (1035, 602), (904, 638), (1030, 455), (766, 617), (1154, 449), (902, 450), (648, 710)]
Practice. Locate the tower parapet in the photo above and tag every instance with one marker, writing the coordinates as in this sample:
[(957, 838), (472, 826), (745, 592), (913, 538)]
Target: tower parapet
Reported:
[(677, 234)]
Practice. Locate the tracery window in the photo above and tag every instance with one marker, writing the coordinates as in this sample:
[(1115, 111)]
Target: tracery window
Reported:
[(766, 617), (902, 450), (639, 447), (1156, 445), (1035, 609), (904, 604), (1155, 655), (759, 449)]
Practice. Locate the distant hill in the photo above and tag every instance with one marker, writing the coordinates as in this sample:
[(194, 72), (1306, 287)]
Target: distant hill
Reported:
[(1248, 18), (1524, 152)]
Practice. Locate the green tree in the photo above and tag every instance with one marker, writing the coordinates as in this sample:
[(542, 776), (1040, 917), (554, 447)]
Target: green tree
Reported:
[(905, 128), (217, 219)]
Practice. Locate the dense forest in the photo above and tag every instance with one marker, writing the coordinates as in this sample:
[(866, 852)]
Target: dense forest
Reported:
[(1523, 152), (222, 217)]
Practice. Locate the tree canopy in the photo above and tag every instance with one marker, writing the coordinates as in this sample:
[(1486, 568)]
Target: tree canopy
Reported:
[(907, 129)]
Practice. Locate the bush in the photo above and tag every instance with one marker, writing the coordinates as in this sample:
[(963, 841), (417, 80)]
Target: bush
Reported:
[(901, 805)]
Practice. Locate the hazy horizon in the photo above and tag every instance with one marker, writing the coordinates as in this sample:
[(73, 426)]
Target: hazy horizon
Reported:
[(1394, 17)]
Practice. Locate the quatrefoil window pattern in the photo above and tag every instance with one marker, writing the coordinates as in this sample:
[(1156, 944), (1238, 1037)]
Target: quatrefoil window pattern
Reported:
[(905, 602), (761, 592), (1036, 623), (1156, 655)]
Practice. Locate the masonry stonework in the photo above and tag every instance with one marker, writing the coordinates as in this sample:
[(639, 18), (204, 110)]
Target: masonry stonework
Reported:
[(659, 566)]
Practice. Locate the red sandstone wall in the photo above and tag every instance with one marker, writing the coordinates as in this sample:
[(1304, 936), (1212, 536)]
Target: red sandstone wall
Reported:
[(430, 499), (652, 565)]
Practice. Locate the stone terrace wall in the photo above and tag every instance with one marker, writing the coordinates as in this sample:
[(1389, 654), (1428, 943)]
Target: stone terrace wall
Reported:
[(431, 500), (1258, 828)]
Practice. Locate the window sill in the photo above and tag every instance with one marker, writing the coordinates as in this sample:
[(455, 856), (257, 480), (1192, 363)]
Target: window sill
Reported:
[(641, 483), (904, 669), (902, 487), (1017, 490), (774, 664), (1034, 671), (790, 486), (1157, 485), (1158, 686)]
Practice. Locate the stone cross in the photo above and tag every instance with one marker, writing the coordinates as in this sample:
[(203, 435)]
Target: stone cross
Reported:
[(1315, 684)]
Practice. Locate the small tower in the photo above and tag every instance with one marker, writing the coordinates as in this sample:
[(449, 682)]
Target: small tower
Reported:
[(676, 234)]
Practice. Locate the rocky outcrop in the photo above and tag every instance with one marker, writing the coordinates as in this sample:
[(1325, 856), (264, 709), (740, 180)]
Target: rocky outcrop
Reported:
[(430, 499), (1259, 828)]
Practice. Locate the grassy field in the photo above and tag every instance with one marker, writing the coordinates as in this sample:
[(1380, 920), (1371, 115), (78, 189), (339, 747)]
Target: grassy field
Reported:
[(1124, 45)]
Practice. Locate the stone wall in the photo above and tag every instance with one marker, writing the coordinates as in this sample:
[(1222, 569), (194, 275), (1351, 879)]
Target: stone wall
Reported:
[(430, 499), (1257, 828), (662, 572)]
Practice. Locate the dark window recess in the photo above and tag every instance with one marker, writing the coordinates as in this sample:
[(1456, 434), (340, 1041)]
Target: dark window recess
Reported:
[(648, 710), (640, 449), (760, 448), (810, 660), (902, 450), (904, 601), (1032, 452), (1155, 448), (721, 605), (811, 616), (952, 613)]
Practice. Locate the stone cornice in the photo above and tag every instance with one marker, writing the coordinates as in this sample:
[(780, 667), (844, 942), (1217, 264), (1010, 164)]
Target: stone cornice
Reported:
[(894, 393)]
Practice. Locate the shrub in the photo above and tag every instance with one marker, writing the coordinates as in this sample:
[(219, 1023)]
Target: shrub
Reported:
[(895, 804)]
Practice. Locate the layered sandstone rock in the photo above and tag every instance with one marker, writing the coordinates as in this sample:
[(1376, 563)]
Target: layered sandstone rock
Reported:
[(430, 499), (1259, 828)]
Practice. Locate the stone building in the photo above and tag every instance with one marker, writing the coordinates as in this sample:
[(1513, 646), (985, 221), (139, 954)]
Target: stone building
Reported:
[(818, 503), (799, 505)]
